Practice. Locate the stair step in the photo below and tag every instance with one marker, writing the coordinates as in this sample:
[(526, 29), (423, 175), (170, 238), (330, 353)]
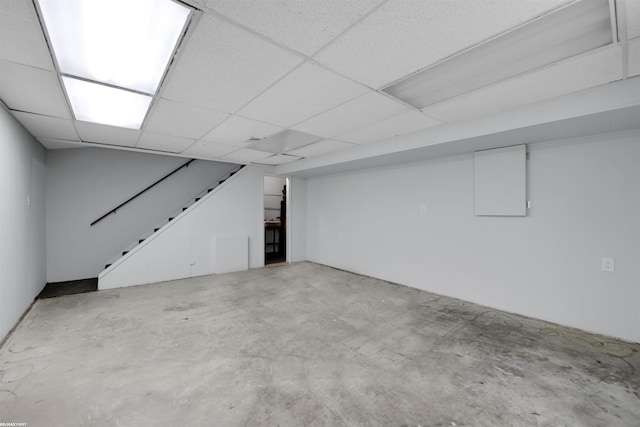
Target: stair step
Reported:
[(222, 181), (124, 253), (171, 219), (155, 230), (107, 266), (209, 190), (197, 199), (231, 174), (184, 209), (140, 241)]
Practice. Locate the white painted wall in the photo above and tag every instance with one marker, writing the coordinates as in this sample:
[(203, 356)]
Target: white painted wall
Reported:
[(585, 206), (185, 247), (22, 224), (297, 219), (85, 183)]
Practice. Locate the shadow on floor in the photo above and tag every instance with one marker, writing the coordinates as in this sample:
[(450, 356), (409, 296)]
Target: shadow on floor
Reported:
[(58, 289)]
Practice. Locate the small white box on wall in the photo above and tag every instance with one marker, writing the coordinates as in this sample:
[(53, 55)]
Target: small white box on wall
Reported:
[(500, 181)]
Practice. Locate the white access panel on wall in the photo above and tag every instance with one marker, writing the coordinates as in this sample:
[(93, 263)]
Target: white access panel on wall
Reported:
[(500, 181)]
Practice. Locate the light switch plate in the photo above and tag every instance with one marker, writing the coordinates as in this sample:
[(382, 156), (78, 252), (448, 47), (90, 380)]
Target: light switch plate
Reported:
[(608, 265)]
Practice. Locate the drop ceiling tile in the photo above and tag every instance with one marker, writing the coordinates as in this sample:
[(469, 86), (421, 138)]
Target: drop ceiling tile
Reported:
[(247, 155), (208, 150), (222, 67), (46, 126), (237, 130), (362, 111), (22, 41), (285, 141), (305, 26), (322, 147), (634, 57), (103, 134), (307, 91), (279, 159), (58, 144), (171, 144), (632, 10), (592, 69), (31, 89), (177, 119), (399, 125), (404, 36)]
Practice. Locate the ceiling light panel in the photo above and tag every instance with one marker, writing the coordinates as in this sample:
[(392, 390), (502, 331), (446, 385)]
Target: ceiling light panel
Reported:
[(209, 150), (321, 147), (238, 130), (46, 126), (582, 72), (223, 67), (173, 118), (404, 36), (21, 38), (399, 125), (167, 143), (305, 26), (126, 43), (307, 91), (285, 141), (110, 135), (31, 89), (362, 111), (96, 103), (569, 31), (279, 159), (247, 155)]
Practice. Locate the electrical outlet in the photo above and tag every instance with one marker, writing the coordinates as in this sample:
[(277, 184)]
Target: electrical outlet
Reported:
[(423, 209), (608, 265)]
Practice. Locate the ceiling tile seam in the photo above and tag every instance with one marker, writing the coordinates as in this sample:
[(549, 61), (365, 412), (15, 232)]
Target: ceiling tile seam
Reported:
[(27, 65), (250, 30), (517, 76), (350, 27)]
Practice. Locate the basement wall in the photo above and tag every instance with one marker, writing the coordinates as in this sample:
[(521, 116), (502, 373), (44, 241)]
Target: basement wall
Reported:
[(85, 183), (22, 221), (585, 206)]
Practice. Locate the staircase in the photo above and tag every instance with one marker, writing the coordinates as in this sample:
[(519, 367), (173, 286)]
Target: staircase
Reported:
[(186, 206)]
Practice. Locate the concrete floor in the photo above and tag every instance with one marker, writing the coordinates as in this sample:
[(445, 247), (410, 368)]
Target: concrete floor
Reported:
[(304, 344)]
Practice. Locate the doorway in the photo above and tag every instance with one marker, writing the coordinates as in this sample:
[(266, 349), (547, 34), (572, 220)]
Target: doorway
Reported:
[(275, 219)]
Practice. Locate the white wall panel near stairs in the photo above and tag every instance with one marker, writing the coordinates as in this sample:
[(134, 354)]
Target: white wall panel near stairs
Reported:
[(187, 245)]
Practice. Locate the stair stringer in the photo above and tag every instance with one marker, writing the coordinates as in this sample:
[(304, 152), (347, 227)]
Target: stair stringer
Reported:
[(184, 247)]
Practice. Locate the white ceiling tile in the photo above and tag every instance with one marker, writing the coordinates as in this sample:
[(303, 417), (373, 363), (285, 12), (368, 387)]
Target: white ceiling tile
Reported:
[(222, 67), (634, 57), (111, 135), (31, 89), (58, 144), (360, 112), (285, 141), (632, 10), (247, 155), (237, 130), (592, 69), (171, 144), (399, 125), (322, 147), (307, 91), (22, 41), (208, 150), (404, 36), (305, 26), (176, 119), (46, 126), (279, 159)]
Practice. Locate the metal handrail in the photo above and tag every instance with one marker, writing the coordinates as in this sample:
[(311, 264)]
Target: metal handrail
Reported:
[(113, 211)]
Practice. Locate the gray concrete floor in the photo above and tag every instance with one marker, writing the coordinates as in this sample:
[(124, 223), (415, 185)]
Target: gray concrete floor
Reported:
[(304, 344)]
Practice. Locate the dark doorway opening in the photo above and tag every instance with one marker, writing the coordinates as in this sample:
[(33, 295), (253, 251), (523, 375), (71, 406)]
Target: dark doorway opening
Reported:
[(275, 220)]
